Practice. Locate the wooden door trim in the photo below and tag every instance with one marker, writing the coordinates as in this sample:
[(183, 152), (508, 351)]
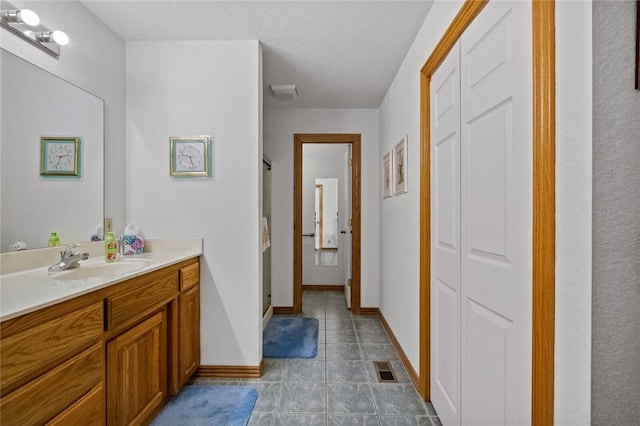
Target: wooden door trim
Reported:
[(544, 210), (328, 138), (543, 250)]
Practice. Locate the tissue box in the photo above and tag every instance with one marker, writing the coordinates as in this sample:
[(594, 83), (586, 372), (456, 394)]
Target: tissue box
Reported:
[(132, 244)]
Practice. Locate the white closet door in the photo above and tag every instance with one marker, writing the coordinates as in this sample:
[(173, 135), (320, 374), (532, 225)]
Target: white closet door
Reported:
[(496, 215), (445, 239)]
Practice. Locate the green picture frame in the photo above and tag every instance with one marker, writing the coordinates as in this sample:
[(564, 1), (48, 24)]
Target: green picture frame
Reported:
[(60, 156), (190, 156)]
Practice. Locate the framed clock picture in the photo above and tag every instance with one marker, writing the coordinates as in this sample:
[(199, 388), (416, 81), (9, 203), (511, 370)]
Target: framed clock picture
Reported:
[(190, 156), (60, 156)]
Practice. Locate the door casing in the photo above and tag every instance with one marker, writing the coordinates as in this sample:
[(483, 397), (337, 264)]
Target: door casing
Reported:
[(326, 138)]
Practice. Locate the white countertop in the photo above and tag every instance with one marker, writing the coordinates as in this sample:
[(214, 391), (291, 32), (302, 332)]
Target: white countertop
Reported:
[(28, 290)]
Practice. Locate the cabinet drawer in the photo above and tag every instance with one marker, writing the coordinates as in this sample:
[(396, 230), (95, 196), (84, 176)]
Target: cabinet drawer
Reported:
[(87, 411), (45, 397), (189, 276), (29, 353), (125, 306)]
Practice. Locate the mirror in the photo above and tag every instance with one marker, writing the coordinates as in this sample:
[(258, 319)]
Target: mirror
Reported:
[(326, 221), (35, 104)]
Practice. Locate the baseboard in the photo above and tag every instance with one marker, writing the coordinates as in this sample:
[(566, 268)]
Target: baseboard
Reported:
[(282, 310), (267, 316), (369, 311), (320, 287), (403, 356), (230, 371)]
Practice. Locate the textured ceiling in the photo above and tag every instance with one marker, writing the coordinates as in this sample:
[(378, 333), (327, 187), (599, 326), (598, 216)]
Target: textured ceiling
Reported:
[(340, 54)]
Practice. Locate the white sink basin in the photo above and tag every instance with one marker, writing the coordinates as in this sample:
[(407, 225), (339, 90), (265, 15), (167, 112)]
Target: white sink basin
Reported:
[(101, 269)]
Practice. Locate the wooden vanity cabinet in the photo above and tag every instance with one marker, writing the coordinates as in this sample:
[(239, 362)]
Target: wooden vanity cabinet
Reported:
[(113, 356)]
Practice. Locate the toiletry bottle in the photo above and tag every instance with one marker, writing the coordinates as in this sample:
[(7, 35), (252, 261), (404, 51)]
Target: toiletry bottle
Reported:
[(110, 248), (54, 241)]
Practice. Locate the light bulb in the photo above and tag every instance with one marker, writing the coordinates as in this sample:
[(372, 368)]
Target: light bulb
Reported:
[(29, 17), (60, 37), (24, 16)]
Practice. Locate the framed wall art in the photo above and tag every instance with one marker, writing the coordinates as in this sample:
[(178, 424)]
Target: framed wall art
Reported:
[(190, 156), (60, 156), (400, 167), (386, 176)]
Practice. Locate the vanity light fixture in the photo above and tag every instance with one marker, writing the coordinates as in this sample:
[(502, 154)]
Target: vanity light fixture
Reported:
[(25, 23), (24, 16), (284, 92), (58, 37)]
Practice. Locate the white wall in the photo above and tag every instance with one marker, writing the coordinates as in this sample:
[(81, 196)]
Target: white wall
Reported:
[(399, 266), (321, 161), (279, 127), (573, 212), (616, 217), (94, 60), (400, 215), (203, 88)]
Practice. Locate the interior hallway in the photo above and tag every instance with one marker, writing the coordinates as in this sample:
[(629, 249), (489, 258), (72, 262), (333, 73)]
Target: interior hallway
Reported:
[(340, 385)]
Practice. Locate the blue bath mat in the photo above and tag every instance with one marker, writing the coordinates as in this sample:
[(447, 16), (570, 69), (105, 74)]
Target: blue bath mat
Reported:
[(290, 337), (209, 405)]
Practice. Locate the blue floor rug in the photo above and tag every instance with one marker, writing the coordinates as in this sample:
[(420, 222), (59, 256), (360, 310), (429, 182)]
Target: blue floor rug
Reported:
[(290, 337), (209, 405)]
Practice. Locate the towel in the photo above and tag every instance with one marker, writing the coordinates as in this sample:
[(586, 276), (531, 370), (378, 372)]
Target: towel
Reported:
[(266, 243)]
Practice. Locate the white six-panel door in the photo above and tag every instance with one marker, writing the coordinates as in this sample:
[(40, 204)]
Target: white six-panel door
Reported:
[(495, 217), (445, 237)]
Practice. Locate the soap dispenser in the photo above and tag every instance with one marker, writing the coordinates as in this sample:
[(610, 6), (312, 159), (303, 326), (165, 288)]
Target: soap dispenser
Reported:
[(54, 240), (110, 248)]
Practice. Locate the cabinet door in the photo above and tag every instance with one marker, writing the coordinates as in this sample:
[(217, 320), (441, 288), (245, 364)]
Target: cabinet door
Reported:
[(189, 348), (137, 371)]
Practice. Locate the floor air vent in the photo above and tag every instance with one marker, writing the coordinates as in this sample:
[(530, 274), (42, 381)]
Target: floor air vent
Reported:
[(384, 372)]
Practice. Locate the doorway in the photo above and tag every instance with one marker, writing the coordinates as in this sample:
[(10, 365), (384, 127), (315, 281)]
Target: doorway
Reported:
[(543, 245), (353, 141)]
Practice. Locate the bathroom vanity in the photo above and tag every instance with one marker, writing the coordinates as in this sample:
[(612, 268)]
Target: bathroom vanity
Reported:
[(112, 352)]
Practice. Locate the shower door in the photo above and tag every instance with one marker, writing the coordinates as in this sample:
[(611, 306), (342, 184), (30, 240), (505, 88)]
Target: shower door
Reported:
[(266, 255)]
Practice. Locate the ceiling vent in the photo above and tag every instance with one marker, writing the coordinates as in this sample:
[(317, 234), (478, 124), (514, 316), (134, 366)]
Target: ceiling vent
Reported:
[(284, 92)]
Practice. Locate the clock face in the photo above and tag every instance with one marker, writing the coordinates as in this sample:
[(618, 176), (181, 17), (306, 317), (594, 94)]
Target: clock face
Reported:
[(190, 158), (61, 157)]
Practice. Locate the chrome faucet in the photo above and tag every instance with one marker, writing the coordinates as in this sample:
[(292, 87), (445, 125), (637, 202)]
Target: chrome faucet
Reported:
[(69, 259)]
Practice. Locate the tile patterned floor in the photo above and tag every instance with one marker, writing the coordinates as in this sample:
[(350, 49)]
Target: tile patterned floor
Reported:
[(339, 386)]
